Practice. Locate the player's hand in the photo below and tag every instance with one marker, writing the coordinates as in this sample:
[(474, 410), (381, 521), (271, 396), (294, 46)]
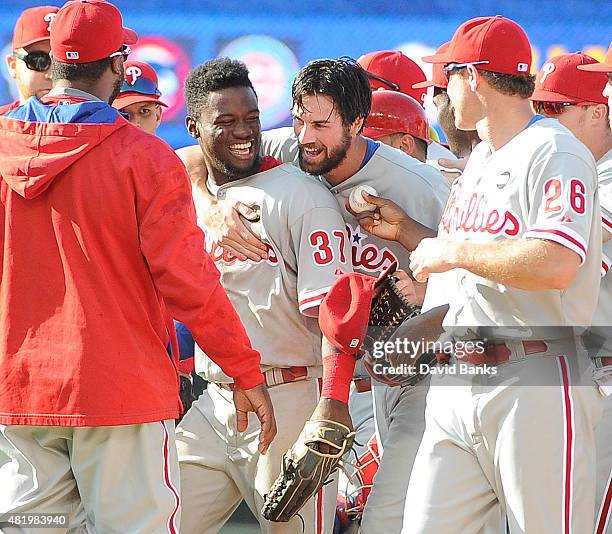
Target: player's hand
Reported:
[(256, 400), (389, 221), (332, 410), (411, 289), (454, 164), (384, 222), (230, 233), (435, 255)]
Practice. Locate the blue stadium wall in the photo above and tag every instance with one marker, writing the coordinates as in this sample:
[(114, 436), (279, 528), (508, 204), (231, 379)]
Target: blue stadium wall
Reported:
[(277, 37)]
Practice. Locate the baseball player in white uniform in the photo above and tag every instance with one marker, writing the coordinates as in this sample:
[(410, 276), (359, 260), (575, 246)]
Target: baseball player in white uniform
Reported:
[(277, 300), (420, 190), (600, 142), (510, 424), (319, 136)]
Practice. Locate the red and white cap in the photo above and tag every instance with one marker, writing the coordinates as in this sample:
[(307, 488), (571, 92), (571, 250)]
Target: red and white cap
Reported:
[(606, 66), (496, 44), (84, 31), (438, 78), (140, 84), (559, 80), (33, 26), (395, 67)]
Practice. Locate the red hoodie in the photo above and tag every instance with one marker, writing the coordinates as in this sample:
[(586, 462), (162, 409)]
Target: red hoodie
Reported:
[(98, 234)]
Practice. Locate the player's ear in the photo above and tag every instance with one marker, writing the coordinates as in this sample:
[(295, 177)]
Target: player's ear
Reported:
[(599, 112), (117, 65), (407, 144), (158, 114), (11, 62), (357, 126), (192, 127), (473, 77)]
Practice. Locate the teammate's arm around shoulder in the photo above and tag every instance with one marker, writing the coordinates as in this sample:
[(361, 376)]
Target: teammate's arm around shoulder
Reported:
[(223, 218)]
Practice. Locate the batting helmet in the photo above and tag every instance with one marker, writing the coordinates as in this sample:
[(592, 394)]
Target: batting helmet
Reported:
[(392, 70), (394, 112)]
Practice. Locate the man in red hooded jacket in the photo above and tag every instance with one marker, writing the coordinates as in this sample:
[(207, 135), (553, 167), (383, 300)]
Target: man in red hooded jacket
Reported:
[(98, 245)]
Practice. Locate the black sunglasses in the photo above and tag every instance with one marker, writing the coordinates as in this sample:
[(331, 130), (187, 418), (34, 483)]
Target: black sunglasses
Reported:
[(391, 85), (37, 60)]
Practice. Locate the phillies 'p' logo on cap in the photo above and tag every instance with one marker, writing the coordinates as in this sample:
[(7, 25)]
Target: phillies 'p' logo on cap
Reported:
[(547, 68), (132, 73), (140, 84), (33, 26), (562, 80), (49, 19)]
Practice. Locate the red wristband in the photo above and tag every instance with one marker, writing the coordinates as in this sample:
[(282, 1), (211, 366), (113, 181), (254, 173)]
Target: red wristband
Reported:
[(338, 372)]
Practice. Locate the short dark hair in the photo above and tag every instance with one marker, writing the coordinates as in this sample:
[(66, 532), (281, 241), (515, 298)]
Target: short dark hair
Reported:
[(342, 80), (511, 84), (421, 146), (508, 84), (212, 76), (89, 72)]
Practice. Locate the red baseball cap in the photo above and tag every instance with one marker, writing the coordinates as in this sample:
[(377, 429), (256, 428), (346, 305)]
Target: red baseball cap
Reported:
[(88, 30), (345, 311), (395, 67), (560, 81), (495, 44), (140, 84), (606, 66), (438, 78), (33, 26), (394, 112)]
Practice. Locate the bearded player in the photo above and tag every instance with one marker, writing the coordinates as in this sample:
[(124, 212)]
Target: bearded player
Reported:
[(327, 126), (277, 299)]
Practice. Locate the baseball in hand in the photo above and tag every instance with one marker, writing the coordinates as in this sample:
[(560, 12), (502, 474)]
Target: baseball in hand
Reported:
[(356, 201)]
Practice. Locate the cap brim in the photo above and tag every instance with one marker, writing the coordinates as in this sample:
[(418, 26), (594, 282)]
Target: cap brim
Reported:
[(130, 37), (437, 58), (596, 67), (424, 85), (375, 133), (541, 95), (125, 100), (31, 42)]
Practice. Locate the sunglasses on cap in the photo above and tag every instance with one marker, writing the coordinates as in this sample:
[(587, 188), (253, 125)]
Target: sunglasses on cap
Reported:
[(391, 85), (125, 52), (37, 60), (142, 86), (454, 67)]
